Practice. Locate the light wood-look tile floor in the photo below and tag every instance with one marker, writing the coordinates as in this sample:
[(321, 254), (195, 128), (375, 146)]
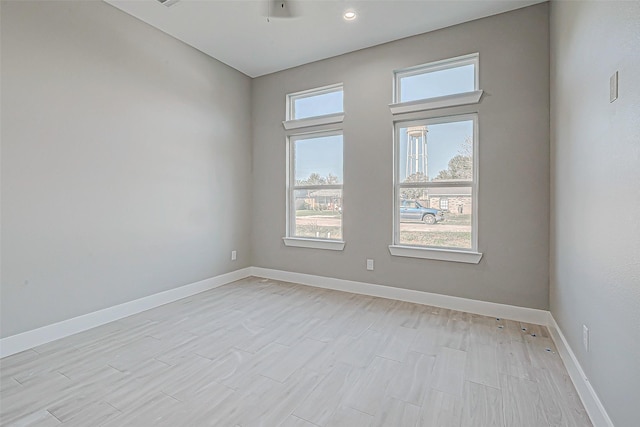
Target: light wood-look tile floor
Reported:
[(264, 353)]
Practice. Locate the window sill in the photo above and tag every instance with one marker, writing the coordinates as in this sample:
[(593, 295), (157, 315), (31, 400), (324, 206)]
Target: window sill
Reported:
[(332, 245), (437, 254), (314, 121), (437, 102)]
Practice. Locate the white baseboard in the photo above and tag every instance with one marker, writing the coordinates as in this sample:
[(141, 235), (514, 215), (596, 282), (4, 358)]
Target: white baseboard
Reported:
[(521, 314), (26, 340), (588, 396)]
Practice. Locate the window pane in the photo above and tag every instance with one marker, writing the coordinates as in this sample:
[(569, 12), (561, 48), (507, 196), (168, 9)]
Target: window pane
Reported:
[(317, 105), (318, 161), (436, 152), (318, 213), (437, 83), (423, 223)]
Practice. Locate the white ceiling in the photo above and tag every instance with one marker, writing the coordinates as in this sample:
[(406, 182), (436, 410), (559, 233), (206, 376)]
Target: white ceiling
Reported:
[(237, 33)]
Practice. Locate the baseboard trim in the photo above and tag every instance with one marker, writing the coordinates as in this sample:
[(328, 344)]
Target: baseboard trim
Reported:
[(521, 314), (33, 338), (592, 404)]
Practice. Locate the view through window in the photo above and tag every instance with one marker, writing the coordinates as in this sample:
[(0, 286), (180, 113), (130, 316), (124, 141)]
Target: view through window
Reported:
[(440, 78), (315, 102), (435, 183), (315, 198)]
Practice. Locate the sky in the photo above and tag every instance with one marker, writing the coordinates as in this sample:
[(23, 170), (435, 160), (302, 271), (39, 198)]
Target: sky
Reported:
[(444, 141), (437, 83), (324, 155), (319, 105), (318, 155)]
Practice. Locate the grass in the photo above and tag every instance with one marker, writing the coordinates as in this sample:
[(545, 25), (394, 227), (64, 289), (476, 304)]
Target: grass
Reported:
[(449, 239), (457, 219), (316, 231), (317, 213)]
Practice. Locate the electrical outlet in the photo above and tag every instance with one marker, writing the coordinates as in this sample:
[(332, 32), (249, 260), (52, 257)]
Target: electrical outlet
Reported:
[(370, 264), (234, 255), (585, 337), (613, 87)]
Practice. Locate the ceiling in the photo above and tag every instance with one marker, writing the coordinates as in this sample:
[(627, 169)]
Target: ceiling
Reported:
[(237, 33)]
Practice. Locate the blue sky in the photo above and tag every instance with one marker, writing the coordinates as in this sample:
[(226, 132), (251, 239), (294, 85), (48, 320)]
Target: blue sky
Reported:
[(318, 155), (437, 83), (444, 141), (319, 105)]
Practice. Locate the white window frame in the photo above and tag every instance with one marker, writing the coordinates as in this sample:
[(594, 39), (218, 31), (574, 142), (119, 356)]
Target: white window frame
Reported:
[(470, 255), (292, 123), (305, 242), (456, 99)]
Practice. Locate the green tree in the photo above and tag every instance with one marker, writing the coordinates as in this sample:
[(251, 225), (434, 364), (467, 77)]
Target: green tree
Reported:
[(461, 165), (414, 193), (332, 179), (314, 179)]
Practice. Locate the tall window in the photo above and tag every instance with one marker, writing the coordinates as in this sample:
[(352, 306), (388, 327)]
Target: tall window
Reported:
[(314, 168), (315, 186), (436, 183), (435, 161)]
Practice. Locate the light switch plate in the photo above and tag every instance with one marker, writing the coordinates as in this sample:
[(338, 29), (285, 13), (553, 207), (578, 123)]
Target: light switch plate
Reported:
[(585, 337), (613, 87)]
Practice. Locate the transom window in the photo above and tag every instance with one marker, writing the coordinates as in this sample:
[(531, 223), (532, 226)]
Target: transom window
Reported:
[(315, 102), (315, 186), (435, 79), (436, 183)]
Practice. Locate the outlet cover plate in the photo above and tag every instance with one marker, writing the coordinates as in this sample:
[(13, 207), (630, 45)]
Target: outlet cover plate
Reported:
[(613, 87)]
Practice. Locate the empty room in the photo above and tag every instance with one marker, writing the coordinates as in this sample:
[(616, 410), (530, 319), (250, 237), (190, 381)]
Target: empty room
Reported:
[(320, 213)]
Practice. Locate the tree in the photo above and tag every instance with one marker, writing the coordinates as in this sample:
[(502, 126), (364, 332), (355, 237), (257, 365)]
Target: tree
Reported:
[(461, 165), (332, 179), (414, 193), (314, 179)]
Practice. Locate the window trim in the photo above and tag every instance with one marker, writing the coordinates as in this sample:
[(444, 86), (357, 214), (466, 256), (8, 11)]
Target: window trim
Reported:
[(308, 242), (455, 99), (292, 123), (451, 255), (304, 242), (470, 255), (327, 119)]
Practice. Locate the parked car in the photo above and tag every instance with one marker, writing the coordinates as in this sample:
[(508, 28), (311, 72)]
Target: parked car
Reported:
[(411, 210)]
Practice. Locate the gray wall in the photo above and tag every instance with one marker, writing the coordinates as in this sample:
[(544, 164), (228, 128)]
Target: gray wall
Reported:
[(514, 162), (595, 273), (125, 162)]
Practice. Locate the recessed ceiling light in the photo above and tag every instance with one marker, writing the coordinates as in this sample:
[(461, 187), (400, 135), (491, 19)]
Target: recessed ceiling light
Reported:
[(349, 15)]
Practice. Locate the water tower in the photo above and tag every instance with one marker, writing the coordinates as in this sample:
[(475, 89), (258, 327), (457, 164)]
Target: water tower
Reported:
[(417, 151)]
